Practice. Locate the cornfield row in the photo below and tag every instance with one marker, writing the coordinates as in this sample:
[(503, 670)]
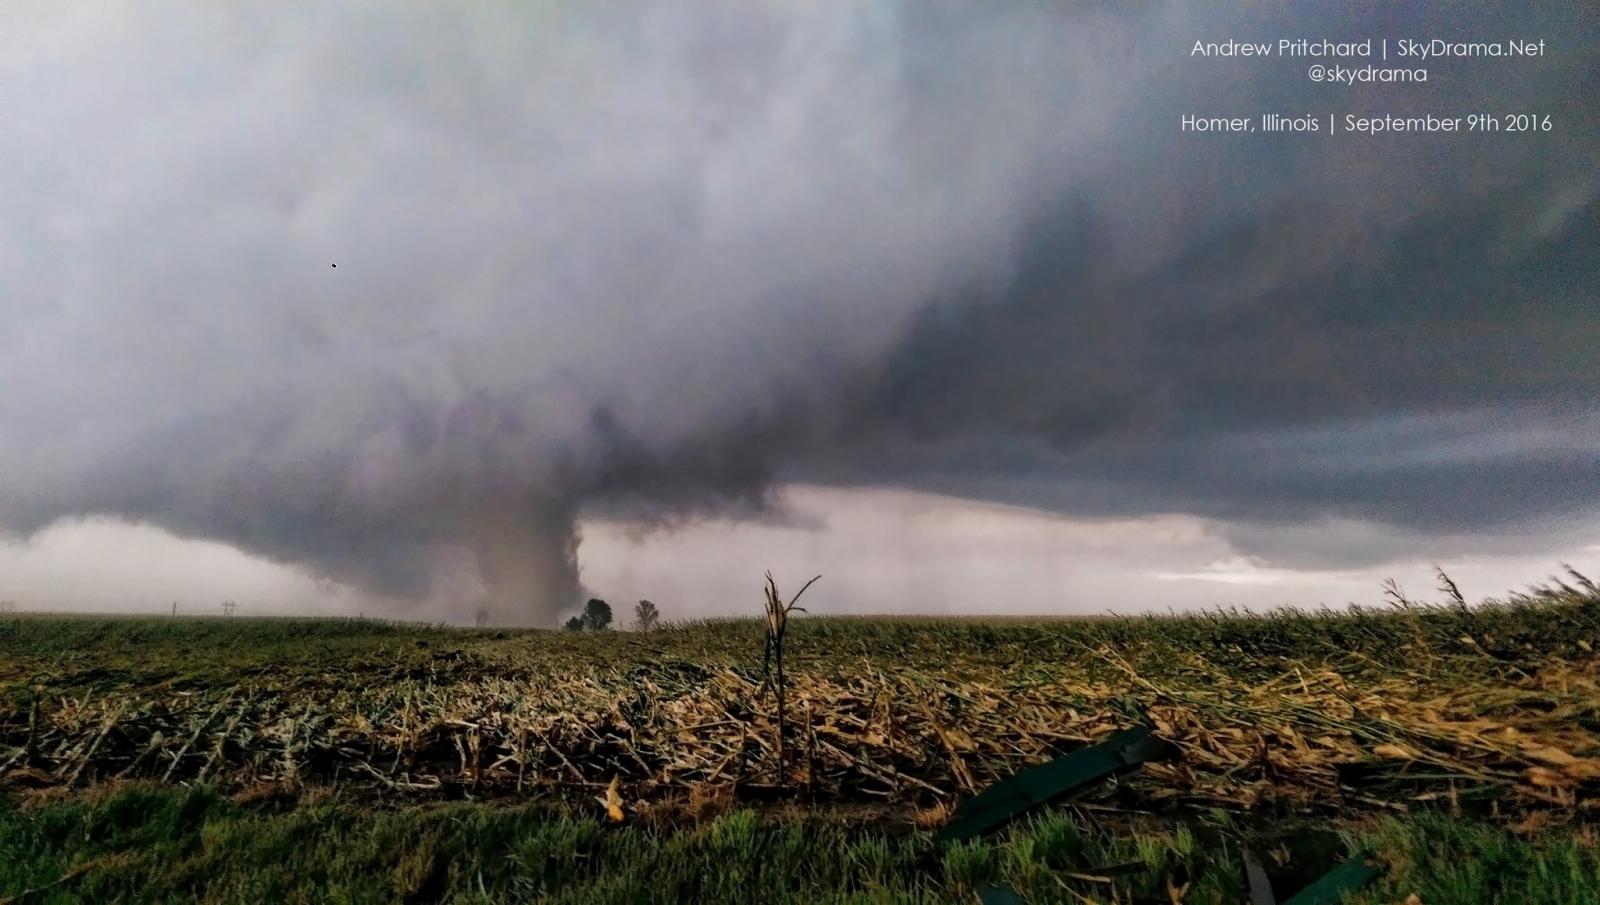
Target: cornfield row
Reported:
[(1318, 736)]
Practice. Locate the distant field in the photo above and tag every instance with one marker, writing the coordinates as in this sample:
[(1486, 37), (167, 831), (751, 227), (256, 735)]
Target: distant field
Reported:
[(194, 758)]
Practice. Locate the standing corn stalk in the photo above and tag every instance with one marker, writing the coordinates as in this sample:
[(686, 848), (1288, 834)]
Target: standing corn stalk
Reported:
[(777, 624)]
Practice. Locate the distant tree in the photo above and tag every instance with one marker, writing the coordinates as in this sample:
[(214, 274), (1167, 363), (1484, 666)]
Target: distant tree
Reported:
[(575, 624), (596, 615), (482, 616), (645, 615)]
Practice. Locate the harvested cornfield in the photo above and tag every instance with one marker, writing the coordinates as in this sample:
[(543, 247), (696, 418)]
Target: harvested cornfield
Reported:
[(1493, 710)]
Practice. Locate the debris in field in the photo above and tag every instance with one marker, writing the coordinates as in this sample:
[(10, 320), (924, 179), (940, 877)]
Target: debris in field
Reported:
[(1256, 878), (998, 895), (1052, 781), (612, 801), (669, 727), (1379, 720), (1331, 887)]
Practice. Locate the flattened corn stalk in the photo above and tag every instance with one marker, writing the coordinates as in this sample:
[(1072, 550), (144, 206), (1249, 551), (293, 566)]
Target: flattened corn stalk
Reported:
[(1508, 723), (1323, 744)]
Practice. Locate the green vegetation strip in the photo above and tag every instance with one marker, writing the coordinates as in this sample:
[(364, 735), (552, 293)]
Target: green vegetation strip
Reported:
[(159, 844)]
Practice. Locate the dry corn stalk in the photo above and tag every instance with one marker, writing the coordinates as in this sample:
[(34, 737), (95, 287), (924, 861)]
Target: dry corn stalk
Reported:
[(772, 655)]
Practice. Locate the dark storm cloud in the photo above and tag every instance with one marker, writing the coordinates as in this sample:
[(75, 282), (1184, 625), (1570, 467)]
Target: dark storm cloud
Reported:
[(1400, 330), (1442, 383), (647, 260)]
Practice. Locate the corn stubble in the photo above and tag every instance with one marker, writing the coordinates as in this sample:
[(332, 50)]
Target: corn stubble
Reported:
[(1491, 709)]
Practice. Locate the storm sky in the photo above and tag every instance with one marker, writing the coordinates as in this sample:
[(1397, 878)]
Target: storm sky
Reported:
[(421, 307)]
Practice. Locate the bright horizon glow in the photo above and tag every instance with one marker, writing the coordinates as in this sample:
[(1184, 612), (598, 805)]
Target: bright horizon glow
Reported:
[(889, 552)]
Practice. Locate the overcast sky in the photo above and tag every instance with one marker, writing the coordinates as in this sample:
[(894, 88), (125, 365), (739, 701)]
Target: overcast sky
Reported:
[(412, 307)]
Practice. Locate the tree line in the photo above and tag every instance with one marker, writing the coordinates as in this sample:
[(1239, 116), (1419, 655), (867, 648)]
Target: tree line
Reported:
[(596, 616)]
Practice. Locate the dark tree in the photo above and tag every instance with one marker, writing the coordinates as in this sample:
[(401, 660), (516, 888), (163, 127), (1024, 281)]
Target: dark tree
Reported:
[(575, 624), (645, 615), (596, 615)]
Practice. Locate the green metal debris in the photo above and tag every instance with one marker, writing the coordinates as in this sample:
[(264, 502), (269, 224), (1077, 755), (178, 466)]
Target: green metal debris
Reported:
[(1052, 781), (1330, 888), (999, 895)]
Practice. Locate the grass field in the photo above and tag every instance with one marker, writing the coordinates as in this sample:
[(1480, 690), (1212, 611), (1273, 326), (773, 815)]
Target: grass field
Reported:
[(222, 760)]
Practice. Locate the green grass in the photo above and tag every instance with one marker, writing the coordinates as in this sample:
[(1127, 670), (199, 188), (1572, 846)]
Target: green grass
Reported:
[(1443, 861), (154, 844)]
